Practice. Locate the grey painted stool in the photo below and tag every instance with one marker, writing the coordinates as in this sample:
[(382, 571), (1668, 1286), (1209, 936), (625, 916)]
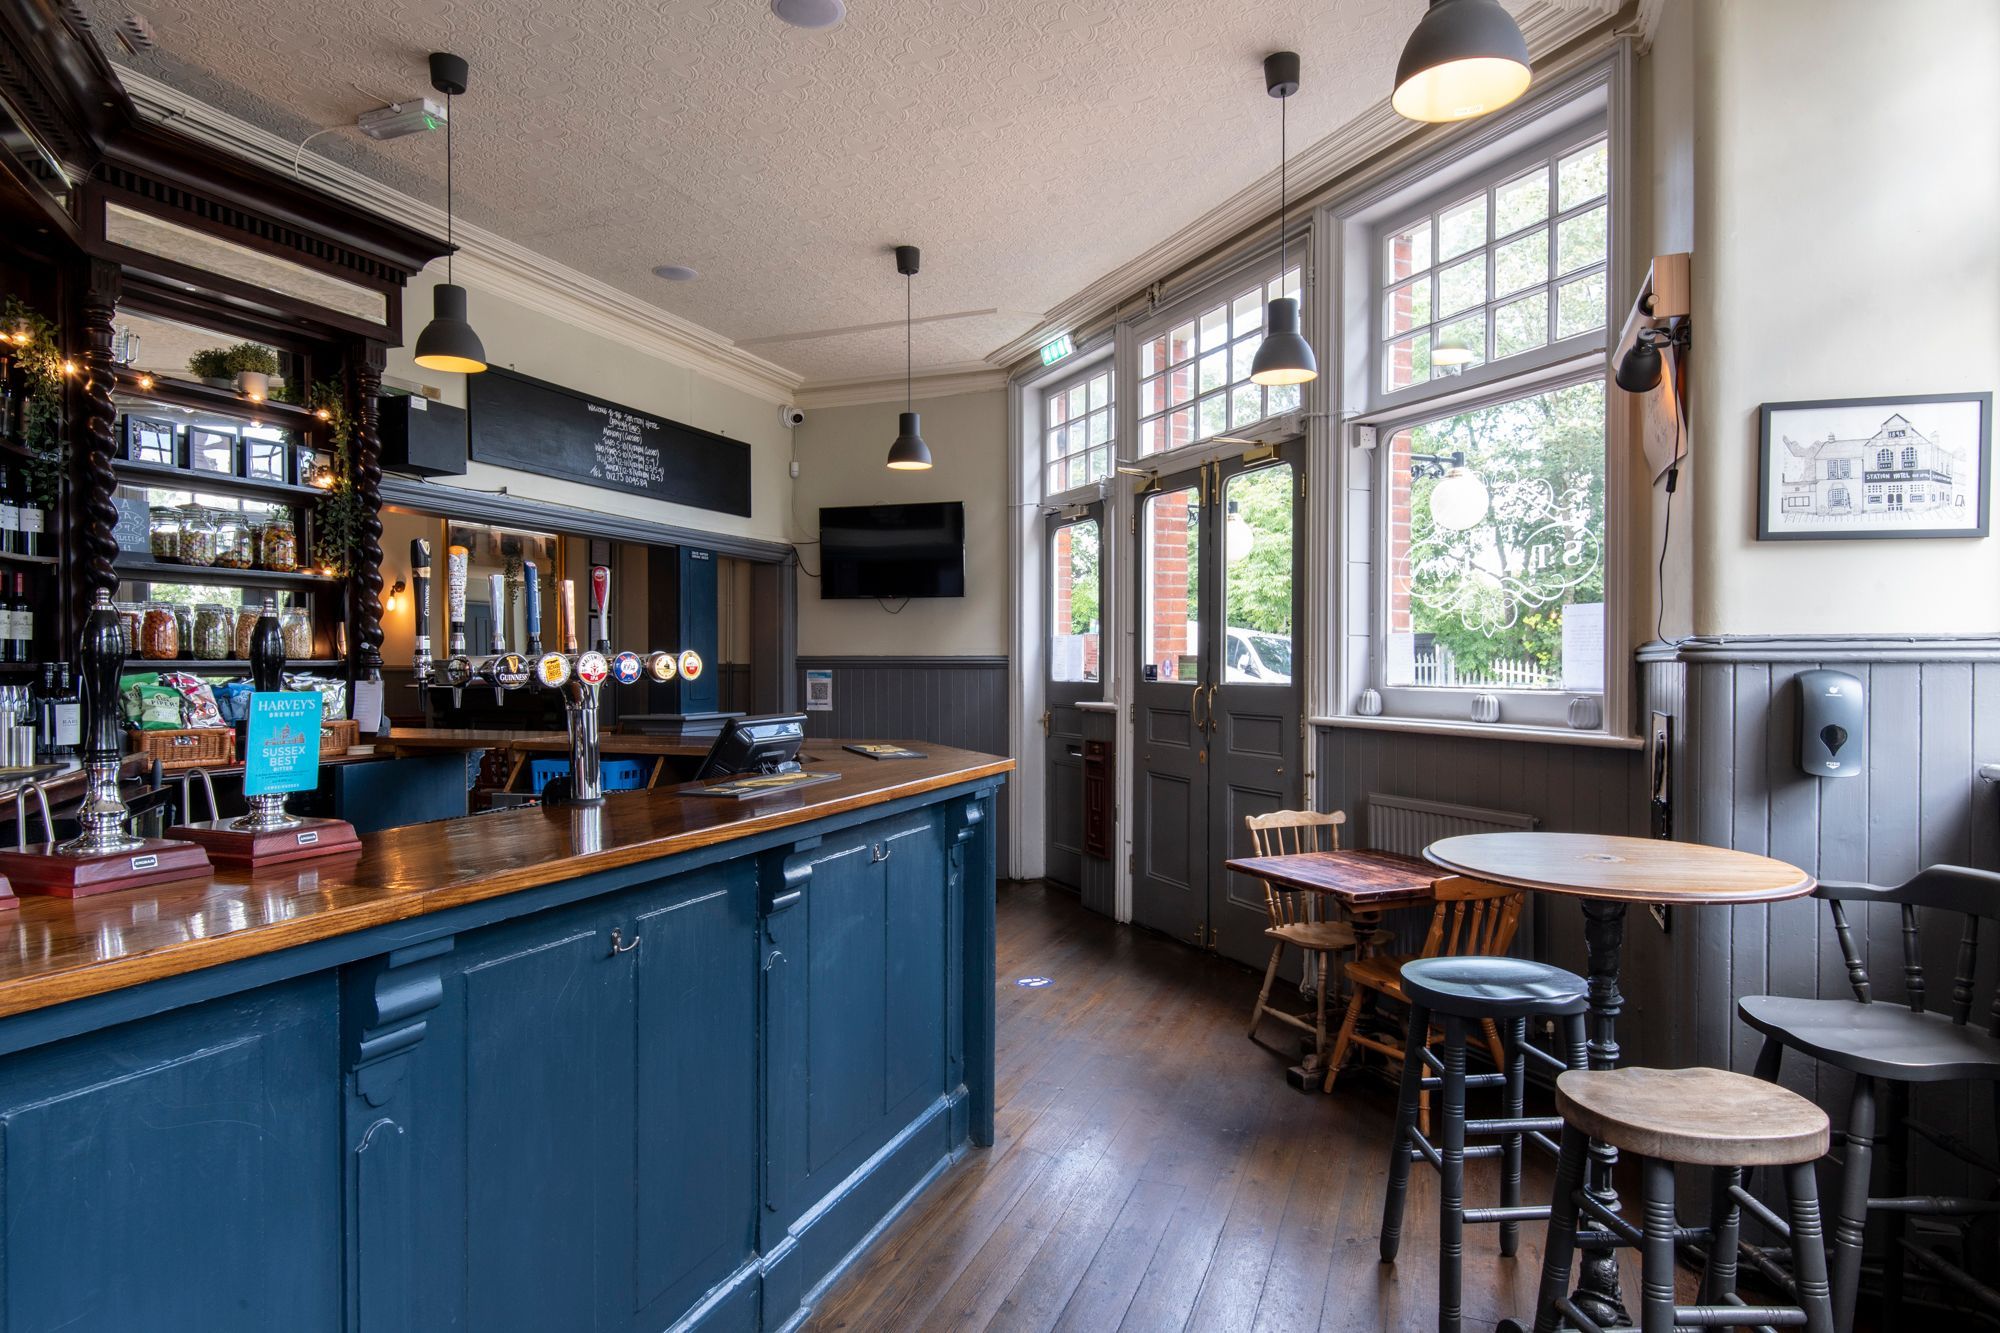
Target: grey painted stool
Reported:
[(1697, 1117), (1463, 992)]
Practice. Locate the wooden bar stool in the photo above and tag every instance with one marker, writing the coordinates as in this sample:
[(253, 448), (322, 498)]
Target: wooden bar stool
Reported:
[(1700, 1117), (1461, 992)]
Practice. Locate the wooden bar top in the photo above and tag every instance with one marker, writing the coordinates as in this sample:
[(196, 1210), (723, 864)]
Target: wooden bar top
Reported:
[(55, 950)]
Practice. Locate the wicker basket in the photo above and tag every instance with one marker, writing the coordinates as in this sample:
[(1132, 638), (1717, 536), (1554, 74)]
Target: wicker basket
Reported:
[(338, 737), (190, 747)]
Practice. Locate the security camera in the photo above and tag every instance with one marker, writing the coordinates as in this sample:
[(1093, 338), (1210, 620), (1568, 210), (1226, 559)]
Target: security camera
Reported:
[(792, 417)]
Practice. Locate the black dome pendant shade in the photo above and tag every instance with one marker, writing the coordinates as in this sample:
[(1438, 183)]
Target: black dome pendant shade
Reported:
[(1464, 59), (909, 453), (1284, 357), (448, 342)]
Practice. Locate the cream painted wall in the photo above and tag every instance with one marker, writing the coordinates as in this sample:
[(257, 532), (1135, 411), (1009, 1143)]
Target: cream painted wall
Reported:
[(1847, 182), (1663, 208), (518, 338), (840, 452)]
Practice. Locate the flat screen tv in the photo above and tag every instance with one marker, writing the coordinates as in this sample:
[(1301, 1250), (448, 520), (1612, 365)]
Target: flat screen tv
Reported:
[(892, 551)]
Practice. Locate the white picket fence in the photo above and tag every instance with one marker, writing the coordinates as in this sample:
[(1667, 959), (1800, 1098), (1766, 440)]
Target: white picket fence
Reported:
[(1438, 668)]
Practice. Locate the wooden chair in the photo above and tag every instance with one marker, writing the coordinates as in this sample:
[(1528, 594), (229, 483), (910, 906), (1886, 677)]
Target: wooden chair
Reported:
[(1472, 919), (1889, 1048), (1300, 918)]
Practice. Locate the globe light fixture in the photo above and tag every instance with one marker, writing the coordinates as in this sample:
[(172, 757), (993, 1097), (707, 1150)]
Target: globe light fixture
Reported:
[(1459, 500)]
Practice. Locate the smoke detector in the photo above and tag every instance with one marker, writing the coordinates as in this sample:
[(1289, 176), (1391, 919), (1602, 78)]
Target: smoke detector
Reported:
[(397, 119)]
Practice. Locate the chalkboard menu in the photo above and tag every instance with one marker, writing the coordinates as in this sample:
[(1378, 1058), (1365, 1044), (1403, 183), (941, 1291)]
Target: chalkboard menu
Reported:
[(527, 424)]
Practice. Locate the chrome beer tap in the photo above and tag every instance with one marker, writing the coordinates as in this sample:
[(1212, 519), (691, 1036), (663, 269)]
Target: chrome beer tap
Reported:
[(420, 597), (456, 670), (504, 671)]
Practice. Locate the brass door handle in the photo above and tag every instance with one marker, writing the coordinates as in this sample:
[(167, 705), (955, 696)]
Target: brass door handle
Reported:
[(1211, 709), (1194, 702)]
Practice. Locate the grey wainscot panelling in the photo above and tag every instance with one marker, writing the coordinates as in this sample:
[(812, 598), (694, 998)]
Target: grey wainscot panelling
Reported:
[(1564, 788), (959, 701), (1933, 718)]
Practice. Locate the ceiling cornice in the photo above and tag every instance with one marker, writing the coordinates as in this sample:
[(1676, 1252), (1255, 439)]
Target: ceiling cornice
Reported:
[(946, 382), (489, 261), (1548, 25)]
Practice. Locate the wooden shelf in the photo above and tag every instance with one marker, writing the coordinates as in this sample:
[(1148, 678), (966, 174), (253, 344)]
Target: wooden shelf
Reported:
[(198, 665), (178, 393), (153, 571), (187, 479), (16, 558)]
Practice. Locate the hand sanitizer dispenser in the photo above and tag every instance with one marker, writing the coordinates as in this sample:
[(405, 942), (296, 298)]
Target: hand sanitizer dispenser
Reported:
[(1833, 734)]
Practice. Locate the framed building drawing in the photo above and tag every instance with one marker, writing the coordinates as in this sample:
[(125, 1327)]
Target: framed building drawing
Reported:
[(1853, 468)]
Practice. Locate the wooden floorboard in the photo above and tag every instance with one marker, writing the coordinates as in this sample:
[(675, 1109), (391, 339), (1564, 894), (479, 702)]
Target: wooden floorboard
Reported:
[(1153, 1171)]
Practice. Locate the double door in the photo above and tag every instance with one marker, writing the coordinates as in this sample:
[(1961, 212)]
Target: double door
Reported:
[(1075, 596), (1218, 691)]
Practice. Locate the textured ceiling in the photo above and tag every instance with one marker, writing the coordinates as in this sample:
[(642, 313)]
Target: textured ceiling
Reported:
[(1029, 146)]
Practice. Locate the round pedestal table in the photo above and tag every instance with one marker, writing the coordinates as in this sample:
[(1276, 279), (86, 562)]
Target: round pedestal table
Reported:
[(1607, 874)]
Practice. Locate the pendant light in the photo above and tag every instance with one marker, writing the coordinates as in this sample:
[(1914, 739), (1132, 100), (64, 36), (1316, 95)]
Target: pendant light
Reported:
[(1464, 59), (909, 453), (1284, 357), (448, 342)]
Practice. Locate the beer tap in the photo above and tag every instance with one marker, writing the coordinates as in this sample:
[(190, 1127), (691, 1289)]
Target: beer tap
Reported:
[(267, 668), (420, 597), (102, 813), (456, 672), (504, 671), (600, 605), (531, 608), (553, 669), (580, 697)]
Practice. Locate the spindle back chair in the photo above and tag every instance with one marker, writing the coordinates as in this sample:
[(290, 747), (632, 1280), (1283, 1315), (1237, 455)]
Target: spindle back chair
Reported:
[(1896, 1045), (1299, 918)]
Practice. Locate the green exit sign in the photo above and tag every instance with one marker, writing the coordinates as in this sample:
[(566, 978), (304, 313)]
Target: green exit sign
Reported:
[(1057, 350)]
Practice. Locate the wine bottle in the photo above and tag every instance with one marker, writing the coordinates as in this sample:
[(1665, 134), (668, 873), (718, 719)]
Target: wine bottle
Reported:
[(24, 621), (9, 641), (33, 520), (10, 515)]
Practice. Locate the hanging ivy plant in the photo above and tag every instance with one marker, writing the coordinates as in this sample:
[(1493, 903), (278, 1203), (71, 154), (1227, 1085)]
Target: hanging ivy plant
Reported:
[(33, 342), (338, 522)]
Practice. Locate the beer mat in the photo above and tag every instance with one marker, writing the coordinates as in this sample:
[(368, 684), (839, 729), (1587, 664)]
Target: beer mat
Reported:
[(760, 784), (884, 751)]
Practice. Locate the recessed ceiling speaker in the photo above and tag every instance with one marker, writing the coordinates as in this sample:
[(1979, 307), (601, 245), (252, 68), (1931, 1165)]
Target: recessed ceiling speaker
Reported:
[(675, 272), (810, 13)]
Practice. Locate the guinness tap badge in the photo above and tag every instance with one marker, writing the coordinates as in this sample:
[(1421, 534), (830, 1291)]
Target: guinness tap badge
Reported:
[(510, 671), (591, 668), (627, 667)]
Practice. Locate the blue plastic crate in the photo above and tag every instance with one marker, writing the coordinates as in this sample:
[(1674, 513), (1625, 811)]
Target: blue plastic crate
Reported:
[(618, 774)]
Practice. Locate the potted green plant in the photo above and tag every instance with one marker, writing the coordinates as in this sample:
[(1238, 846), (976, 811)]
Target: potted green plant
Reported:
[(252, 365), (210, 365)]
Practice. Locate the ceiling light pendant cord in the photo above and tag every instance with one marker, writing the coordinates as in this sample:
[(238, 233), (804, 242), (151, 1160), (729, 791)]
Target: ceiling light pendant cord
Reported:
[(909, 346), (1283, 157), (449, 246)]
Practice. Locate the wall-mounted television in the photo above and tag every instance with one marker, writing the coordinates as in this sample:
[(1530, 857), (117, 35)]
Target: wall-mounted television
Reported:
[(913, 550)]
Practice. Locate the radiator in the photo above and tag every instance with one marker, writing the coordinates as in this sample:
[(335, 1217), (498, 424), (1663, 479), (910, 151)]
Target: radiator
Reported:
[(1400, 824)]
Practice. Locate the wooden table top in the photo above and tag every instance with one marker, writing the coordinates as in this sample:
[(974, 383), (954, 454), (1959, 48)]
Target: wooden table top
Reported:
[(1637, 870), (54, 949), (1360, 878)]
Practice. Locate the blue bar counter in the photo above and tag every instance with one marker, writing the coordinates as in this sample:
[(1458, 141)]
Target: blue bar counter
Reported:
[(667, 1063)]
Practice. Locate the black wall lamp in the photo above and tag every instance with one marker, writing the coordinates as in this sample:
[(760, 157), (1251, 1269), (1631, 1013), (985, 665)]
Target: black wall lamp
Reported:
[(1640, 368)]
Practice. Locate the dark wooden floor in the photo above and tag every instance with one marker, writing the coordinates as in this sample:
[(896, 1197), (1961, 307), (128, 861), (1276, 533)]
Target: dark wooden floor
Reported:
[(1152, 1170)]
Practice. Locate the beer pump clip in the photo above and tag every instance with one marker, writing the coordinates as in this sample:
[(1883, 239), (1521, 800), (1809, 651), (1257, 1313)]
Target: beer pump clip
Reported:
[(103, 856), (269, 833)]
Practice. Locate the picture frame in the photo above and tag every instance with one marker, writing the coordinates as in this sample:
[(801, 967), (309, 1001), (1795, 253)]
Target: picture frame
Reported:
[(267, 455), (213, 449), (1905, 467), (152, 440)]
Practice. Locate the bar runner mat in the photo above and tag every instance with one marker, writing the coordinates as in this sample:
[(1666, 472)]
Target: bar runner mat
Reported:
[(883, 751), (762, 784)]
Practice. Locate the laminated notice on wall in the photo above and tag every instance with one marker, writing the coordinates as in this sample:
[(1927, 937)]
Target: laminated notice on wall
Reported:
[(819, 691)]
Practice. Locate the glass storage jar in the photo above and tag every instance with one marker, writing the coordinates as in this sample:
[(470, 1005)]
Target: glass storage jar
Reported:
[(214, 632), (163, 533), (246, 630), (278, 551), (197, 535), (159, 633), (298, 631), (232, 540), (131, 620), (184, 621)]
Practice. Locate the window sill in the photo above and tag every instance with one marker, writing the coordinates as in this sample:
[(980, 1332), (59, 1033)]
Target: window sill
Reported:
[(1497, 731)]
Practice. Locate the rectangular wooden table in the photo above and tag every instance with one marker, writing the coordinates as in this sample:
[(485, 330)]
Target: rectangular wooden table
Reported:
[(1364, 880)]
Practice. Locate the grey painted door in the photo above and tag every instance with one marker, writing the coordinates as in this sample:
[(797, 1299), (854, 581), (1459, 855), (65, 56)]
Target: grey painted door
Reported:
[(1074, 600), (1257, 684), (1170, 744), (1218, 696)]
